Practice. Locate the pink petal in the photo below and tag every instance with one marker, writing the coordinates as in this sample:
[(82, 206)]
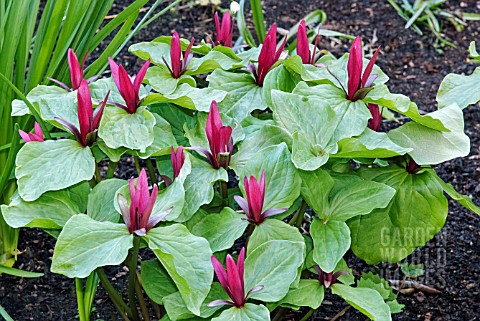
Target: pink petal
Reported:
[(273, 211), (85, 110), (114, 70), (175, 55), (368, 69), (26, 138), (38, 132), (220, 272), (217, 303), (234, 281), (140, 76), (187, 56), (124, 209), (218, 30), (242, 203), (76, 75), (97, 115), (241, 266), (354, 67), (303, 49), (127, 91)]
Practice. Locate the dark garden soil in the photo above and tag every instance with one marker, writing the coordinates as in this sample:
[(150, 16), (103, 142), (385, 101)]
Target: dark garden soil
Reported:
[(416, 68)]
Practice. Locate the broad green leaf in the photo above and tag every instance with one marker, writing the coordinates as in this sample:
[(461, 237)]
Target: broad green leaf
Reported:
[(162, 81), (448, 145), (365, 300), (351, 117), (243, 96), (331, 241), (369, 144), (153, 50), (186, 257), (163, 139), (113, 155), (51, 210), (249, 312), (101, 200), (177, 310), (85, 244), (274, 265), (51, 166), (221, 230), (254, 144), (315, 190), (118, 128), (271, 230), (358, 198), (101, 87), (308, 294), (199, 186), (45, 95), (176, 118), (462, 90), (279, 78), (165, 167), (282, 183), (218, 58), (416, 213), (156, 282), (463, 200), (188, 97)]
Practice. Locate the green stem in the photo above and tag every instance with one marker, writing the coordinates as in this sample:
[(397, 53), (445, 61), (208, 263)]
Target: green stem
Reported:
[(90, 289), (280, 314), (141, 299), (80, 299), (308, 315), (250, 229), (256, 113), (98, 176), (113, 294), (297, 219), (112, 166), (224, 191), (151, 171), (132, 278), (137, 164)]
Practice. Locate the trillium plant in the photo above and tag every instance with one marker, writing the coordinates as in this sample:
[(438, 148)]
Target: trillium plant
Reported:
[(258, 169)]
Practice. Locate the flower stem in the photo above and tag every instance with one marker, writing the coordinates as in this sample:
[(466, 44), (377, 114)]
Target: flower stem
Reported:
[(224, 191), (280, 314), (141, 299), (308, 315), (137, 164), (98, 176), (113, 294), (151, 171), (256, 113), (80, 299), (250, 229), (112, 166), (297, 219), (132, 278)]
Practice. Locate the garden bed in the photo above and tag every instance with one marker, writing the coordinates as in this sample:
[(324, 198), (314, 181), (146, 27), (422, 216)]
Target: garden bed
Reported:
[(416, 69)]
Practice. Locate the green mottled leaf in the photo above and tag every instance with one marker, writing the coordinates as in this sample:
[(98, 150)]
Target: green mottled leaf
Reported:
[(156, 282), (462, 90), (316, 187), (186, 257), (331, 241), (85, 244), (221, 230), (51, 166), (308, 294), (118, 128), (101, 200), (250, 312), (163, 139), (162, 81)]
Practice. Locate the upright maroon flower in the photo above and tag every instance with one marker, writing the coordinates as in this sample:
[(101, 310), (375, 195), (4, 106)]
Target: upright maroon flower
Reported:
[(178, 158), (253, 205), (219, 138), (128, 90), (376, 120), (225, 31), (36, 136), (87, 119), (179, 63), (76, 72), (232, 281), (357, 81), (269, 55), (303, 45), (327, 279), (138, 215), (412, 167)]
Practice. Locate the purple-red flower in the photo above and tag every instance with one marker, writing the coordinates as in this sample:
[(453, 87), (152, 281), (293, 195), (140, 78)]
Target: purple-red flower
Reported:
[(128, 90), (178, 158), (219, 138), (76, 72), (253, 205), (87, 118), (179, 63), (357, 81), (327, 279), (376, 120), (232, 281), (138, 215), (36, 136), (412, 167), (269, 55), (303, 45), (225, 31)]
